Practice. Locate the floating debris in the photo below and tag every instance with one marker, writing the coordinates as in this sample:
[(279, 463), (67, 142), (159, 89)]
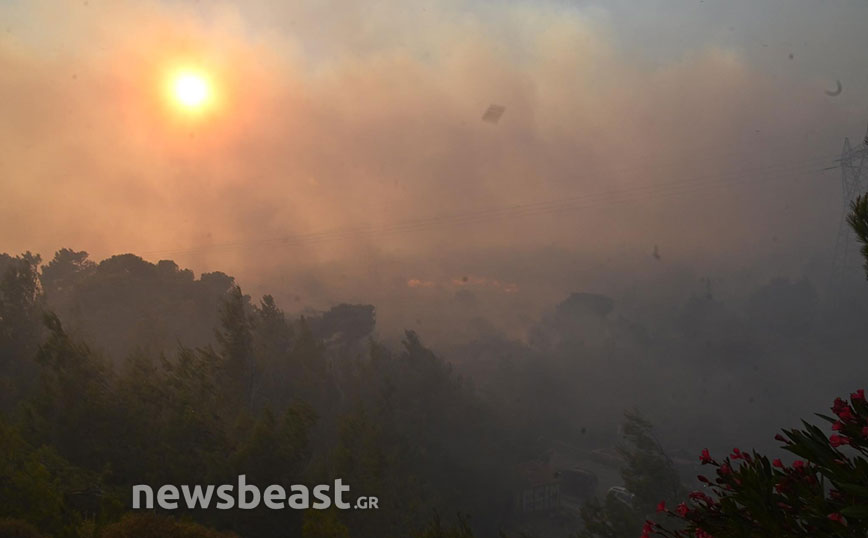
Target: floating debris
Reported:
[(837, 91), (494, 113)]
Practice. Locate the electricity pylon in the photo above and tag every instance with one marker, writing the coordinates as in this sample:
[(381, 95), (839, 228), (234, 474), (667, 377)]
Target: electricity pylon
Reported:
[(854, 180)]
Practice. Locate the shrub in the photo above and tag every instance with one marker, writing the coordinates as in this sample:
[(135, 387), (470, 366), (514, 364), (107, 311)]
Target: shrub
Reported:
[(822, 493), (15, 528), (146, 525)]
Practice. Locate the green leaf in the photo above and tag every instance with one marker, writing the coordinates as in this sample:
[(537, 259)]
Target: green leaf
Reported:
[(857, 511), (854, 489)]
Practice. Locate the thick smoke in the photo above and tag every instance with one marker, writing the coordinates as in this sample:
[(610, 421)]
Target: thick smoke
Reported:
[(347, 158)]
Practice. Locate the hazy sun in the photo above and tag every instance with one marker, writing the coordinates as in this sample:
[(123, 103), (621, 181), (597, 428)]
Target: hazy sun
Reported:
[(191, 90)]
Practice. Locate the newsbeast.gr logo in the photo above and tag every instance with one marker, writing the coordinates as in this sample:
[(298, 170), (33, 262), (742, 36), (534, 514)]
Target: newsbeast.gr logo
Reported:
[(248, 497)]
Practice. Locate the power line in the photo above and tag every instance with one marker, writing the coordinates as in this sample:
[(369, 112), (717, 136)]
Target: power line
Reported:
[(551, 206)]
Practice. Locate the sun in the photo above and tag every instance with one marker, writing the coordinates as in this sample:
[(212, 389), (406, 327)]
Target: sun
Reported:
[(191, 90)]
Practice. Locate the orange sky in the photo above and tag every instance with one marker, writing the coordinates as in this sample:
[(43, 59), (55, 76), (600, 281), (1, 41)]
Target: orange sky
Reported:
[(340, 118)]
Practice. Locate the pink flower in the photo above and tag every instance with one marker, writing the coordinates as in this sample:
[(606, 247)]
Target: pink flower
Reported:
[(858, 396), (739, 455), (846, 414), (661, 507), (724, 470), (705, 457), (699, 496), (837, 426), (835, 516), (865, 432), (837, 440), (647, 528), (778, 463), (799, 465), (682, 510)]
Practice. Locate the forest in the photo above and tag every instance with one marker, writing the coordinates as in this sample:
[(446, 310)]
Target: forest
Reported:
[(124, 372)]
